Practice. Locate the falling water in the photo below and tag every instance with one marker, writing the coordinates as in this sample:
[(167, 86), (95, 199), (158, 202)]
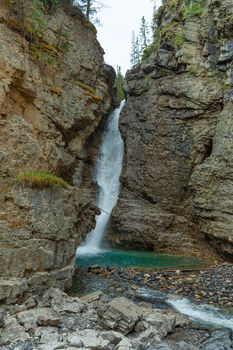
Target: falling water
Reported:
[(107, 173)]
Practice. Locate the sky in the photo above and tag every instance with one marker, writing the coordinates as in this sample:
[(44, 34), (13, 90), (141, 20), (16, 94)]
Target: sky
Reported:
[(119, 18)]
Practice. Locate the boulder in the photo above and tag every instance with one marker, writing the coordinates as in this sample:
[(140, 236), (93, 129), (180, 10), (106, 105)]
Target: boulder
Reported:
[(125, 344), (88, 338), (120, 315), (12, 331), (61, 302), (40, 316), (92, 297), (219, 339)]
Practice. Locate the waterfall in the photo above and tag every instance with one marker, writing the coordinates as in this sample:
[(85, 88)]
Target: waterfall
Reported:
[(107, 175)]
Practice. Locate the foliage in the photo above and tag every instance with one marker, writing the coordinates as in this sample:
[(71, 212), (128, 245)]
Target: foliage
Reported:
[(149, 51), (194, 8), (90, 8), (119, 84), (179, 39), (143, 35), (140, 43), (41, 180), (135, 51)]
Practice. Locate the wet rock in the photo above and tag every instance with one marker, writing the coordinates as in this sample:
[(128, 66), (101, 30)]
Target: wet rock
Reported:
[(120, 315), (220, 339)]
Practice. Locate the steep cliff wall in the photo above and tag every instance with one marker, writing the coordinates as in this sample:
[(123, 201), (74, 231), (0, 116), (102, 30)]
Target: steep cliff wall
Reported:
[(178, 130), (54, 91)]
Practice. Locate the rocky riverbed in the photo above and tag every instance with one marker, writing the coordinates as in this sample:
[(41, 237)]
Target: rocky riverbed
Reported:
[(100, 321), (212, 286)]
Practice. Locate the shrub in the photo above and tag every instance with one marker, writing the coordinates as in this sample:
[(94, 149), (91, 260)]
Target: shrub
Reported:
[(41, 180)]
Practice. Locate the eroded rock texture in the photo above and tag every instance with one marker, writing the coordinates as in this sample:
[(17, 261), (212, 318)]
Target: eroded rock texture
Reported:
[(53, 94), (178, 128)]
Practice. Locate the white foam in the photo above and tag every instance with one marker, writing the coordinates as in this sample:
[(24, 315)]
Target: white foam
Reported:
[(206, 314)]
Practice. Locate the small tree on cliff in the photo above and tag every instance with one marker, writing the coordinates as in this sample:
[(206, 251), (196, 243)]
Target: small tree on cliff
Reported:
[(89, 7), (144, 35)]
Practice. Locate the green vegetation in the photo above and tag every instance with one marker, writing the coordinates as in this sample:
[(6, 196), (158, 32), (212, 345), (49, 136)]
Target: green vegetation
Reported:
[(85, 87), (149, 51), (179, 39), (139, 43), (119, 84), (194, 8), (41, 180), (173, 3)]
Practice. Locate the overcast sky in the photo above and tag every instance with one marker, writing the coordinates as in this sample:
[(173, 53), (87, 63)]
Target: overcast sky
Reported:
[(118, 20)]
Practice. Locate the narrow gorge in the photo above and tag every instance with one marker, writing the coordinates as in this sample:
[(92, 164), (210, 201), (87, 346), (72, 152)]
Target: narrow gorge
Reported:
[(116, 216)]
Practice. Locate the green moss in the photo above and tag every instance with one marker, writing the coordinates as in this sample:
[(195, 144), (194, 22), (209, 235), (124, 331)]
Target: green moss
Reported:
[(41, 180), (89, 91), (179, 39), (85, 86)]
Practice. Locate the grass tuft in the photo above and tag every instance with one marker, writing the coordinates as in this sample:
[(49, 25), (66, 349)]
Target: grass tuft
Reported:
[(41, 180)]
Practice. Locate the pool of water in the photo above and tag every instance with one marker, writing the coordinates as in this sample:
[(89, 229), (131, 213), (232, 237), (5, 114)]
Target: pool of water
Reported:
[(135, 259)]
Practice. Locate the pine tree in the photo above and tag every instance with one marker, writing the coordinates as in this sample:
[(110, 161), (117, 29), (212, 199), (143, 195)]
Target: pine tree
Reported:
[(135, 52), (89, 7), (119, 83), (154, 21), (144, 35)]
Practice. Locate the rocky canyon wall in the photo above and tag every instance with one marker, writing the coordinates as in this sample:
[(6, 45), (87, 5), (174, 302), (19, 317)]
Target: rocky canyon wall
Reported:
[(54, 91), (178, 130)]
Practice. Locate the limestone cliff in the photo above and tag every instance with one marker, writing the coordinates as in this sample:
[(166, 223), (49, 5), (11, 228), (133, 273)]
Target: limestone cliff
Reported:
[(54, 92), (178, 129)]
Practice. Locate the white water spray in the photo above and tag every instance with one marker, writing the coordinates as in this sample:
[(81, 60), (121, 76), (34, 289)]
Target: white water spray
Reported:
[(203, 314), (107, 174), (206, 315)]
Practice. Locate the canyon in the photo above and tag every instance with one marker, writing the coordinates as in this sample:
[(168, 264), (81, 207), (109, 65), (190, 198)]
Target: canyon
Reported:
[(56, 93)]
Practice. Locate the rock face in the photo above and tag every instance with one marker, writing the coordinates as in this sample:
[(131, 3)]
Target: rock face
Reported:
[(178, 127), (54, 92)]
